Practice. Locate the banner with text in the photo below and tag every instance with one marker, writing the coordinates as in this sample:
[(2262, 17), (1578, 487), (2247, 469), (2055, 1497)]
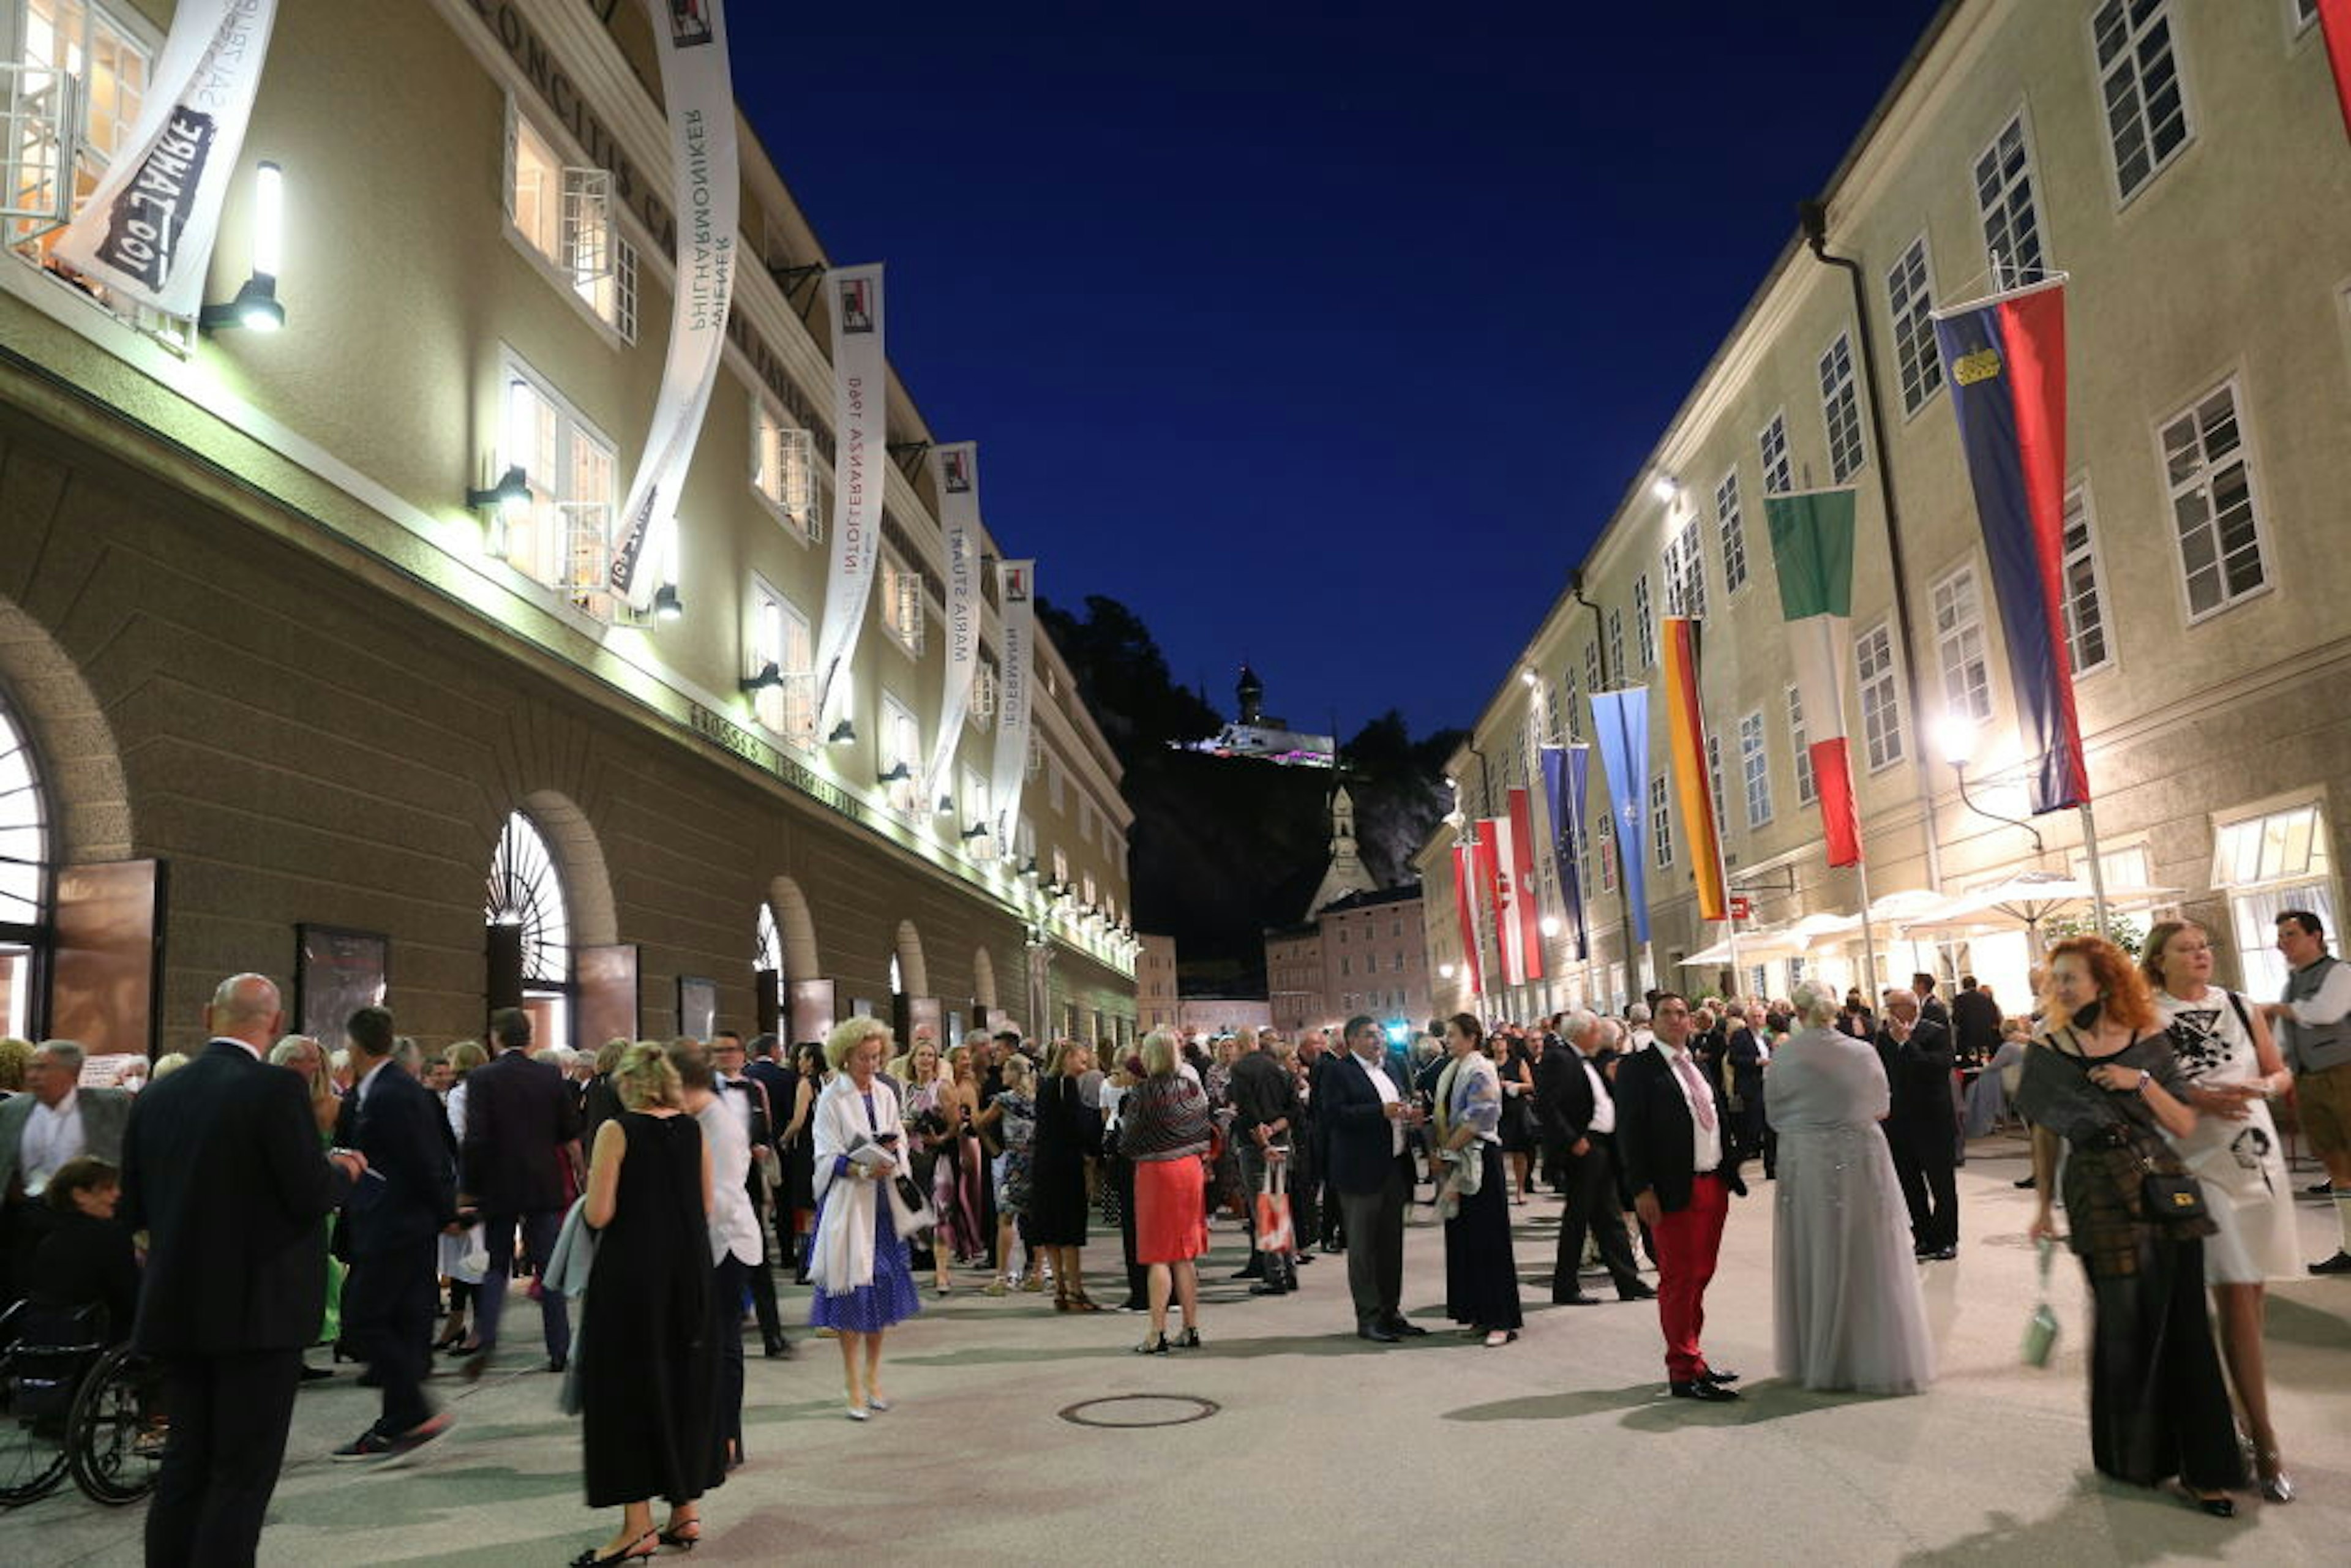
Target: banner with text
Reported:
[(691, 38), (1016, 609), (860, 373), (147, 230), (1620, 720), (956, 469), (1563, 769)]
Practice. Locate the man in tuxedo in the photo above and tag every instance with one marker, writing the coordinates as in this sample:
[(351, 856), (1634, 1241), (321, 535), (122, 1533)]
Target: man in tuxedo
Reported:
[(1327, 1220), (1368, 1117), (1681, 1161), (53, 1121), (746, 1096), (522, 1129), (221, 1167), (1744, 1058), (1921, 1125), (1581, 1117), (1975, 1022), (1930, 1006), (389, 1236)]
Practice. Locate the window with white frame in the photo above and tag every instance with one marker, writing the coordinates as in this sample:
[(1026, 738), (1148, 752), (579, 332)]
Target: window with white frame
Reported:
[(971, 801), (1755, 768), (2300, 15), (1661, 824), (1035, 762), (2011, 215), (1024, 835), (562, 535), (1592, 682), (2213, 513), (901, 750), (1088, 885), (1062, 871), (1881, 700), (1617, 642), (902, 603), (2140, 85), (568, 216), (1731, 529), (1714, 780), (1572, 704), (1841, 408), (1909, 299), (1085, 816), (1684, 571), (984, 679), (1645, 622), (780, 638), (1779, 472), (1959, 646), (2267, 865), (783, 470), (1603, 834), (1553, 732), (1807, 788), (1056, 784), (2085, 615)]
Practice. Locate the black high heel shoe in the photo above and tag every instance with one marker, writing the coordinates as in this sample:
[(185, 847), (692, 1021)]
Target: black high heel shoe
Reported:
[(1156, 1345), (679, 1539), (1189, 1340), (643, 1546)]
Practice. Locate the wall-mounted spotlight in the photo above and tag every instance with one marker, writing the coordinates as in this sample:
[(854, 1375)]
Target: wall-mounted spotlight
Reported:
[(1665, 487), (511, 492), (899, 774), (1529, 677), (975, 833), (668, 606), (946, 808), (1029, 870), (770, 678), (843, 734), (255, 306)]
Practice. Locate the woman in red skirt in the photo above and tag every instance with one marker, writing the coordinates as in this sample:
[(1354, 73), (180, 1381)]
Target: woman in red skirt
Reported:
[(1164, 1129)]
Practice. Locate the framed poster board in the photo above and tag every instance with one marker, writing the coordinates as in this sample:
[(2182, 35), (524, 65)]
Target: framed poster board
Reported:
[(336, 972), (813, 1007), (110, 955), (925, 1016), (697, 1007), (608, 1008)]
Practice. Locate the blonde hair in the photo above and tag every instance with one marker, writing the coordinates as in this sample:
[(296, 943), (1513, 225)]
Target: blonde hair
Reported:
[(16, 1055), (851, 1033), (1159, 1054), (607, 1055), (170, 1062), (465, 1056), (1018, 1072), (1057, 1057), (645, 1078)]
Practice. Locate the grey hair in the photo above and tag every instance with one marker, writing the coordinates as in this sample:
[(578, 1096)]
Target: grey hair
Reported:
[(66, 1054), (1637, 1013), (976, 1038), (288, 1049), (1816, 1005), (1580, 1022), (409, 1054)]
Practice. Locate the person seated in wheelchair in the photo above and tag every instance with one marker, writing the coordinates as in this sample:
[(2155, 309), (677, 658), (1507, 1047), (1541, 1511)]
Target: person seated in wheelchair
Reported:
[(85, 1259)]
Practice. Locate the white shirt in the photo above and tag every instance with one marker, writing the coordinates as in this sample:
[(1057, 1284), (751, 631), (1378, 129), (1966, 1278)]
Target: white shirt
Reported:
[(734, 1227), (1388, 1096), (1604, 1105), (737, 1092), (52, 1136), (2329, 1002), (1705, 1142)]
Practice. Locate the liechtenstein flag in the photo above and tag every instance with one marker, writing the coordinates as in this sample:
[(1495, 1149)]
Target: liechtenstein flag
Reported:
[(2006, 360)]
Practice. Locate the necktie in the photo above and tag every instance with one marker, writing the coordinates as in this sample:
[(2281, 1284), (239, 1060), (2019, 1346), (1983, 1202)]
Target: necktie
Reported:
[(1702, 1101)]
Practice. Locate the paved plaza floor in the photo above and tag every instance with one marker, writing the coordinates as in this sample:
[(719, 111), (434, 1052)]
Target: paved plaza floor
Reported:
[(1324, 1448)]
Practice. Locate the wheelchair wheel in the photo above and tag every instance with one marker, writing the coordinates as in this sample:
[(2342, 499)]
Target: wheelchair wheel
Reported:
[(114, 1437), (35, 1398)]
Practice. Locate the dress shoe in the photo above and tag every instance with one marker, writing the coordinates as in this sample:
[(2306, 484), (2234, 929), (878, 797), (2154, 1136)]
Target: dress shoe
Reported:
[(781, 1349), (1704, 1392), (475, 1364), (1717, 1378), (1409, 1329), (1577, 1299), (2338, 1264), (1252, 1272), (2320, 1189), (1637, 1291), (1302, 1258), (554, 1363), (1267, 1288), (1378, 1332), (1945, 1255), (2024, 1186)]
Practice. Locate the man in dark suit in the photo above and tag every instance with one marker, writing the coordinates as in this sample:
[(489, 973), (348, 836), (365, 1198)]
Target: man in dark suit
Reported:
[(389, 1236), (1328, 1222), (1920, 1126), (522, 1128), (1583, 1116), (1681, 1161), (1743, 1060), (221, 1167), (746, 1094), (1930, 1006), (1368, 1117), (1975, 1022), (1265, 1113)]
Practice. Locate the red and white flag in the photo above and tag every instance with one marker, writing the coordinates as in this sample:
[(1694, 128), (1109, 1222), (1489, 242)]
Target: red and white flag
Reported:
[(1522, 872)]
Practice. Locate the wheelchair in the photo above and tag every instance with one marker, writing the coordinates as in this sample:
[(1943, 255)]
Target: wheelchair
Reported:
[(71, 1405)]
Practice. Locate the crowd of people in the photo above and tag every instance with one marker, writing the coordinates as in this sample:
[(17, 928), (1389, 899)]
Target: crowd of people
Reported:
[(286, 1194)]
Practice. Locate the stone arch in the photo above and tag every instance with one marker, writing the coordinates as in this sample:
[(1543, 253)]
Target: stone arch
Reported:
[(798, 928), (579, 861), (914, 974), (983, 980), (86, 794)]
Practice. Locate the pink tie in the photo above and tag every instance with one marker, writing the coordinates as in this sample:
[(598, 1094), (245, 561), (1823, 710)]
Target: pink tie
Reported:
[(1700, 1100)]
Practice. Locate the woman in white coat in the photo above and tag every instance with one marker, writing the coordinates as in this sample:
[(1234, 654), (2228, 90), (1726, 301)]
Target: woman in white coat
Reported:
[(858, 1261)]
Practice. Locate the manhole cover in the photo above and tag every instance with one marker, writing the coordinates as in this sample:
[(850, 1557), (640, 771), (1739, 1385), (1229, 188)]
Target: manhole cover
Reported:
[(1122, 1410)]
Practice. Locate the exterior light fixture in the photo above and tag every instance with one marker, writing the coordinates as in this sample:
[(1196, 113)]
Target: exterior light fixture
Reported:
[(843, 734), (511, 493), (946, 808), (255, 306), (1551, 925), (1665, 487), (1528, 676), (975, 833), (668, 606), (1955, 738), (899, 774), (1029, 870), (1445, 971), (770, 678)]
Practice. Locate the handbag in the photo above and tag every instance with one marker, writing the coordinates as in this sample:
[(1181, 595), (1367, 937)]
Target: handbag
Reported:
[(2168, 1193), (1274, 1233), (2040, 1327)]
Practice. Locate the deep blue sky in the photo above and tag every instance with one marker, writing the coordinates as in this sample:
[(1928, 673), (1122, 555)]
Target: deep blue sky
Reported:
[(1325, 336)]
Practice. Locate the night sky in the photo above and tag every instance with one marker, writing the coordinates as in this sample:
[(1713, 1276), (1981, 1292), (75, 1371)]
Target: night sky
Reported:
[(1324, 336)]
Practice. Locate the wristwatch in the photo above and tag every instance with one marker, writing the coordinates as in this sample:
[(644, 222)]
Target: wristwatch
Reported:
[(2144, 1078)]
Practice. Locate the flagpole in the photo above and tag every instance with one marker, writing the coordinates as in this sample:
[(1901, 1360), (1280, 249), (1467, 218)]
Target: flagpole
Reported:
[(1868, 936), (2097, 871)]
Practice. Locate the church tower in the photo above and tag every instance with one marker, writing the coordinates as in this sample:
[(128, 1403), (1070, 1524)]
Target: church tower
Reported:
[(1251, 696), (1346, 874)]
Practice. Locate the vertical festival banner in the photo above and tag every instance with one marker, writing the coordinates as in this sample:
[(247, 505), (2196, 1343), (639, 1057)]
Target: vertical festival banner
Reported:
[(1496, 898), (1016, 609), (860, 445), (1464, 912), (1811, 547), (1563, 768), (1686, 734), (956, 469), (2007, 360), (1621, 721), (1522, 880), (2334, 22), (146, 232), (690, 37)]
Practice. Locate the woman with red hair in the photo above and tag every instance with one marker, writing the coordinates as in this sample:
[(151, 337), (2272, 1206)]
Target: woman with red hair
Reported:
[(2101, 1084)]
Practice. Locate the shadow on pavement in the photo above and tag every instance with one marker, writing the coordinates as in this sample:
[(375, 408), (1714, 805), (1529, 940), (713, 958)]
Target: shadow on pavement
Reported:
[(1566, 1406), (2298, 1323), (2121, 1523)]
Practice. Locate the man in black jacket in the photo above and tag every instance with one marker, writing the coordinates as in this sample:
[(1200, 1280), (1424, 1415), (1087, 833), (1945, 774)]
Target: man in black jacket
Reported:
[(1919, 1127), (1681, 1161), (1369, 1114), (221, 1167), (390, 1236), (1975, 1022), (1265, 1110), (522, 1128), (1581, 1113)]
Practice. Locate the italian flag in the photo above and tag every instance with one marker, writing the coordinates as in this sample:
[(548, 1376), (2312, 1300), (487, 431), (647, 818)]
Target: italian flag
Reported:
[(1811, 545)]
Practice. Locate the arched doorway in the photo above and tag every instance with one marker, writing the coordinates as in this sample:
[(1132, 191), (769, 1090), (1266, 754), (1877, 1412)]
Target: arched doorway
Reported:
[(984, 1007), (26, 934), (768, 975), (530, 923)]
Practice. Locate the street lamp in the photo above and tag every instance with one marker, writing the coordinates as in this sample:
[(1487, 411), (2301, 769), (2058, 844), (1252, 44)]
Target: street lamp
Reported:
[(1445, 971), (1955, 738), (1551, 925)]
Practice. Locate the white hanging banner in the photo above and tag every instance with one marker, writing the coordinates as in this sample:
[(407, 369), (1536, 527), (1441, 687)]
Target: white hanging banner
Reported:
[(860, 380), (1016, 608), (147, 230), (956, 467), (691, 38)]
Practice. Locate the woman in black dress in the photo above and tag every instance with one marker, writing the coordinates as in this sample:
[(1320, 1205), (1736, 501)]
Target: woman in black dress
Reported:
[(1068, 1130), (1516, 1066), (798, 1142), (648, 1366), (2102, 1083), (1482, 1277)]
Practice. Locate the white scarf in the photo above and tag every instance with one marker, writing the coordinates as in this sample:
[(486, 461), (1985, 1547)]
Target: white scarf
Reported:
[(843, 1257)]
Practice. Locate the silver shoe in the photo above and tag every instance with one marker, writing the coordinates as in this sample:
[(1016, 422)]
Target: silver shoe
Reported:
[(2277, 1486)]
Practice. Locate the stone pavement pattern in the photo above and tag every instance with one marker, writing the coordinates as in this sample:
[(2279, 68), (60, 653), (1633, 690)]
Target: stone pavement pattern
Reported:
[(1560, 1448)]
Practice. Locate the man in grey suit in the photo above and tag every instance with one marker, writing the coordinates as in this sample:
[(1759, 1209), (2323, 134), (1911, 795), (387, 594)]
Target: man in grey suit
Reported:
[(55, 1121)]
